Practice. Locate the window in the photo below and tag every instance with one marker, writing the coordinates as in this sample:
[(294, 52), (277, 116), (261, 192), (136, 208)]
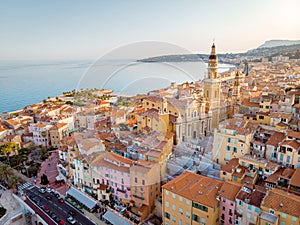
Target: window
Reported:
[(228, 140), (201, 207), (167, 204), (167, 192), (173, 218), (187, 214), (135, 179), (195, 218), (228, 148), (250, 207), (167, 215), (227, 156), (282, 223), (256, 210), (173, 195), (234, 178), (143, 182), (235, 141), (281, 157), (173, 207), (180, 199), (180, 211), (240, 203), (294, 219), (288, 159), (283, 215), (187, 202), (235, 149)]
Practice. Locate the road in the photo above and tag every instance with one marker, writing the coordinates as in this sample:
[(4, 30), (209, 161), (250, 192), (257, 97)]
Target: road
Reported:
[(60, 209)]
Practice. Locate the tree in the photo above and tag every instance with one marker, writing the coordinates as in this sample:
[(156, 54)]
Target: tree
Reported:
[(5, 171), (8, 148), (14, 181), (44, 179)]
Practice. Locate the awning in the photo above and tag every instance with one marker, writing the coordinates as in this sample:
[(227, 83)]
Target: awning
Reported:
[(115, 218), (81, 197)]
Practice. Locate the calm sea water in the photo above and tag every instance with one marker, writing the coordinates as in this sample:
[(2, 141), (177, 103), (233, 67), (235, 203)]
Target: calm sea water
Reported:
[(26, 82)]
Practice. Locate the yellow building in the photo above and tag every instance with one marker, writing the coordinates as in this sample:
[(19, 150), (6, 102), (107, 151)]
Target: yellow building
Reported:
[(57, 133), (258, 118), (283, 207), (191, 199), (289, 153), (232, 140)]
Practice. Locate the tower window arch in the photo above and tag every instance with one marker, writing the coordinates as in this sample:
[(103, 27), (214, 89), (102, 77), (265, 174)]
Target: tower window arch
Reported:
[(207, 93)]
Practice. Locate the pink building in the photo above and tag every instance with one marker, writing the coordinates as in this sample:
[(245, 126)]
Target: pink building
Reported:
[(40, 133), (113, 170), (227, 194)]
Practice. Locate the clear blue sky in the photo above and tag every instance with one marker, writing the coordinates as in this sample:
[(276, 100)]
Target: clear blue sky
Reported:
[(86, 29)]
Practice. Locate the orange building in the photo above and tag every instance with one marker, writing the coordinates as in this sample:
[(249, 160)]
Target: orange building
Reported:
[(191, 199)]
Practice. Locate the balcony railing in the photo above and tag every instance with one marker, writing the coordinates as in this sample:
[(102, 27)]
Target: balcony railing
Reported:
[(139, 197)]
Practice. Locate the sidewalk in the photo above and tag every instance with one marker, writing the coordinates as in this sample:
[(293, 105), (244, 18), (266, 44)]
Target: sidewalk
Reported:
[(49, 168)]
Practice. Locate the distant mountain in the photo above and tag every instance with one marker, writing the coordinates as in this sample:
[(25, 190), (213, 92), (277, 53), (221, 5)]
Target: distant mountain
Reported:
[(276, 43), (269, 49)]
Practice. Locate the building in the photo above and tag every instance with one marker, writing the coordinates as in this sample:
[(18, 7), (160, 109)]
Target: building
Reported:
[(228, 193), (232, 140), (40, 133), (57, 133), (191, 199), (212, 87), (280, 207), (145, 186), (248, 203)]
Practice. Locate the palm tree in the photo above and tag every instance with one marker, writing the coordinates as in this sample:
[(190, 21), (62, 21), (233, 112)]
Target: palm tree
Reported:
[(5, 171), (14, 181)]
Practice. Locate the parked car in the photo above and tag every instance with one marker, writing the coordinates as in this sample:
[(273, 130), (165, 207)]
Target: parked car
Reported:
[(61, 222), (61, 200), (46, 209), (42, 190), (48, 197), (48, 190), (71, 220)]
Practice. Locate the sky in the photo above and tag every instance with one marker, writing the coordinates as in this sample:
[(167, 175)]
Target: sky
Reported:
[(88, 29)]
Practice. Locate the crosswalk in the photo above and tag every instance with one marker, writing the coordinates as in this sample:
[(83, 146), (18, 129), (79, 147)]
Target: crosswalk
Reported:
[(25, 186)]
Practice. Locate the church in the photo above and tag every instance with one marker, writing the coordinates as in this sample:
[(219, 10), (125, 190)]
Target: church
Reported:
[(195, 110)]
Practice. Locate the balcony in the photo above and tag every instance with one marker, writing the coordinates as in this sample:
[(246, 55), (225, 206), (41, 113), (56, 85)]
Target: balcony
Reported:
[(139, 197), (120, 190), (72, 166)]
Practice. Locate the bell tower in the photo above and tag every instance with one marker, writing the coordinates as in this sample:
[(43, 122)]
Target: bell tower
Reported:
[(212, 87)]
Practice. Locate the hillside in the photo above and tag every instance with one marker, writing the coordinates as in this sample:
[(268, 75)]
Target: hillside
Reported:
[(276, 43)]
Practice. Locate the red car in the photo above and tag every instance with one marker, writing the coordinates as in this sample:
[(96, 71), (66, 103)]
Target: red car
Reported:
[(61, 200), (46, 209), (61, 222)]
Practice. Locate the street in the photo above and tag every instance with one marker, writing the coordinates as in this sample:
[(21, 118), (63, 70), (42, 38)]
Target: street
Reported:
[(60, 209)]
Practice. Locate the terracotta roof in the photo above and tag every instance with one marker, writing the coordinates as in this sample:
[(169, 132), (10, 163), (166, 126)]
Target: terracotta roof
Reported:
[(272, 166), (294, 134), (230, 166), (275, 139), (274, 176), (251, 196), (195, 187), (295, 180), (282, 201), (246, 102), (229, 190), (115, 157), (292, 143)]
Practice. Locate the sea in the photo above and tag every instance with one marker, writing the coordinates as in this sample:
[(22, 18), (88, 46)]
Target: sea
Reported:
[(27, 82)]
